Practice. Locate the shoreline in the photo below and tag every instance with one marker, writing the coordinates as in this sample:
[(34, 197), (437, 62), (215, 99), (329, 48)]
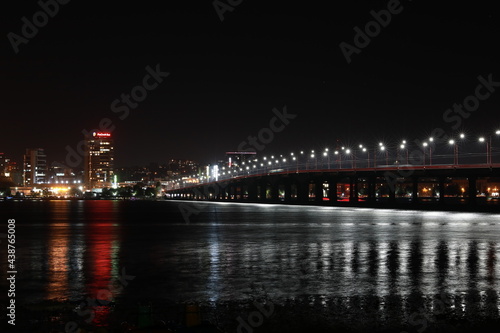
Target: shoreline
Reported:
[(421, 206)]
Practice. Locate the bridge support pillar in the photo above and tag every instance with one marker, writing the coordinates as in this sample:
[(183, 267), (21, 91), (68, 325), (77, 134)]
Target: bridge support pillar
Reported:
[(261, 191), (414, 194), (275, 191), (441, 190), (223, 191), (392, 190), (472, 191), (318, 190), (371, 189), (288, 191), (332, 186), (353, 189)]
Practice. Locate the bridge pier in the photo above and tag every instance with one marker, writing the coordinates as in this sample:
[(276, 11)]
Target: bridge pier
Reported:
[(275, 193), (472, 191), (260, 191), (414, 194), (392, 191), (232, 192), (371, 189), (332, 186), (353, 189), (318, 190), (288, 191), (441, 181)]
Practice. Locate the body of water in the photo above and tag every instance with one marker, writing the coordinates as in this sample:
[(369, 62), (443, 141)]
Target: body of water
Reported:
[(329, 265)]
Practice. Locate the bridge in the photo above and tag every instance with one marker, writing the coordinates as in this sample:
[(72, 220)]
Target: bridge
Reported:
[(401, 176)]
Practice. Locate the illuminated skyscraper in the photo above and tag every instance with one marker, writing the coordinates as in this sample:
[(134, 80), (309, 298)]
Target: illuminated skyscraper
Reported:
[(35, 167), (99, 160)]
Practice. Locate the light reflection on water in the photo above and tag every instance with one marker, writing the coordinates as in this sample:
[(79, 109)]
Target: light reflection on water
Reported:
[(70, 250)]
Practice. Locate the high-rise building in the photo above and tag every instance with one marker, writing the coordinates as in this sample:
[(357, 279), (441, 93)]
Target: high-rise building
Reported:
[(34, 167), (11, 170), (99, 160)]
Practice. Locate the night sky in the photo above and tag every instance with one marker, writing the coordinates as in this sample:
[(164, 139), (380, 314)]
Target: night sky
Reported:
[(227, 76)]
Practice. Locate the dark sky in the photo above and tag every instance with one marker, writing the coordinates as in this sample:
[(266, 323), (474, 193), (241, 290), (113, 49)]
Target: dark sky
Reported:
[(227, 76)]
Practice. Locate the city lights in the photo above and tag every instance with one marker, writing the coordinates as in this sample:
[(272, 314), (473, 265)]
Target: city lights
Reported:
[(100, 174)]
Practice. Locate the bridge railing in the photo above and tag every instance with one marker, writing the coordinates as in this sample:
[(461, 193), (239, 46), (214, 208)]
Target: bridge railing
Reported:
[(324, 164)]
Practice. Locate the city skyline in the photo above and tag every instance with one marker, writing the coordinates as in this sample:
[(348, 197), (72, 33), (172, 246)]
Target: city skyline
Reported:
[(437, 136)]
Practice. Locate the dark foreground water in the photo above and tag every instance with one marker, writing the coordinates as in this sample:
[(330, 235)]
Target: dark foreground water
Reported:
[(308, 269)]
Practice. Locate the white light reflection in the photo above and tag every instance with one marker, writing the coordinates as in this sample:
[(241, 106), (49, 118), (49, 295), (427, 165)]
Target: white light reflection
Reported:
[(214, 277)]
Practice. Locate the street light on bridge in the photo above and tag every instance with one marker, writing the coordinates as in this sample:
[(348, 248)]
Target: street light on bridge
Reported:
[(382, 148), (315, 159), (348, 152), (364, 150), (482, 139), (428, 144), (404, 147), (497, 132), (425, 144), (462, 136), (489, 147), (325, 153), (339, 158), (455, 151)]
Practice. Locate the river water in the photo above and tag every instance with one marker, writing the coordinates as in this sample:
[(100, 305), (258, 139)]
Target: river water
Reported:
[(335, 267)]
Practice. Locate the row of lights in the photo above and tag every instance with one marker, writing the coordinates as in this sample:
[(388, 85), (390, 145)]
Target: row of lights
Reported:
[(346, 151)]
